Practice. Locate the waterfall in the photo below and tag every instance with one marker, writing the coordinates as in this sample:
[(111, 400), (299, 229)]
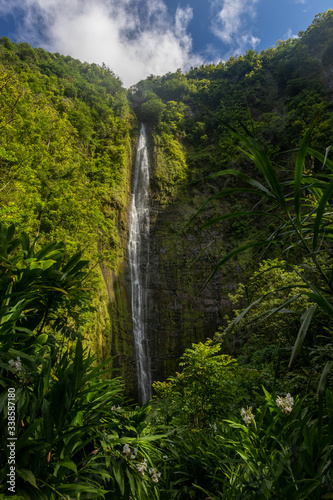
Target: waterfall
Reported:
[(138, 243)]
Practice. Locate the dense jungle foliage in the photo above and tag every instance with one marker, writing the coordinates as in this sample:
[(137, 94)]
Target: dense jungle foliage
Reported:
[(238, 145), (63, 123)]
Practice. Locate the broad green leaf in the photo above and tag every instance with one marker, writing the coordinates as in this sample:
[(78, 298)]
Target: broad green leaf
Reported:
[(41, 339), (45, 250), (10, 232), (42, 264), (69, 465), (80, 265), (28, 476), (47, 264), (54, 255), (118, 474), (133, 487), (72, 262), (25, 243)]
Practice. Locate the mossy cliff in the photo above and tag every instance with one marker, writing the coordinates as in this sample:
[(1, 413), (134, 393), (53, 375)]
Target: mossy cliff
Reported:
[(283, 88), (67, 150), (66, 160)]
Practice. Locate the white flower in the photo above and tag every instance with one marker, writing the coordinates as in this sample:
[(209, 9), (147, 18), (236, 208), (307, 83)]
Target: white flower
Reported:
[(16, 365), (154, 475), (126, 450), (213, 426), (115, 408), (247, 415), (142, 467), (134, 454), (285, 404)]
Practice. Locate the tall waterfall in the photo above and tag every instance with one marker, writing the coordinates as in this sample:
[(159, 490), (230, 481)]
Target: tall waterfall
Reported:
[(138, 242)]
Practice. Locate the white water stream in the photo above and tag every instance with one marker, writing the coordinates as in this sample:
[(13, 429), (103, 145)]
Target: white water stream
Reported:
[(138, 243)]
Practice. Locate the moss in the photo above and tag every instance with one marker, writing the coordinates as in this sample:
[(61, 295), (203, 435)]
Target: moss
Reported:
[(170, 168)]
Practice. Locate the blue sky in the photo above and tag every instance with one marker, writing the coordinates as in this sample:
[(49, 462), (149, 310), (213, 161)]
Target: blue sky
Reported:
[(136, 38)]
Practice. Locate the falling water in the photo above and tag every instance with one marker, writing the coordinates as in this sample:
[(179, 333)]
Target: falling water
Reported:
[(138, 241)]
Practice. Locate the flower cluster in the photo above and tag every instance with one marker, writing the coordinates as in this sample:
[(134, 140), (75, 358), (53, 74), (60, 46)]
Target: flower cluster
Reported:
[(154, 475), (16, 365), (213, 426), (128, 452), (142, 466), (247, 415), (115, 408), (285, 404)]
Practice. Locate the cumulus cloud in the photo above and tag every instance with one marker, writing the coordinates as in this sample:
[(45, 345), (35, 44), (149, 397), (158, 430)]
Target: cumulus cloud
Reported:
[(230, 23), (289, 34), (134, 38)]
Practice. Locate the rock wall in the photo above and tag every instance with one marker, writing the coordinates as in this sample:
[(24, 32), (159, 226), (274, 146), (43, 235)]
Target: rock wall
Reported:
[(176, 264), (177, 317)]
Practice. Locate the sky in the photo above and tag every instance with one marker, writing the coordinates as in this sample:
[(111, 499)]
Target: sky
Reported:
[(137, 38)]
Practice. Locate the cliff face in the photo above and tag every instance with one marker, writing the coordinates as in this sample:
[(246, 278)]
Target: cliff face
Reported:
[(67, 129), (284, 88), (175, 317), (175, 265)]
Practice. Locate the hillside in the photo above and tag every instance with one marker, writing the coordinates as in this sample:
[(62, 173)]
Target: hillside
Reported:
[(67, 152), (283, 89), (236, 273), (66, 158)]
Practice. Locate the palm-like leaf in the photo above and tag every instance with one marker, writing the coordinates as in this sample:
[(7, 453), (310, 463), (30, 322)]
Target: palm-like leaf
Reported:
[(302, 221)]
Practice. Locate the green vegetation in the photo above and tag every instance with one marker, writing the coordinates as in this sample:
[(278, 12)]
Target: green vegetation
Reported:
[(75, 435), (276, 95), (241, 232), (284, 445), (65, 155)]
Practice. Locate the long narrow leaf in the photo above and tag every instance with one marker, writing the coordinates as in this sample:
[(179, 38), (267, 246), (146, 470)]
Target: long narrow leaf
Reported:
[(244, 177), (260, 158), (280, 308), (322, 382), (322, 302), (321, 157), (305, 323), (221, 194), (299, 167), (320, 212), (199, 254), (230, 256), (238, 214)]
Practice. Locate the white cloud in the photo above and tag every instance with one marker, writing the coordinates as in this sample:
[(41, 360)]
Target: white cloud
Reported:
[(134, 38), (289, 34), (230, 23)]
